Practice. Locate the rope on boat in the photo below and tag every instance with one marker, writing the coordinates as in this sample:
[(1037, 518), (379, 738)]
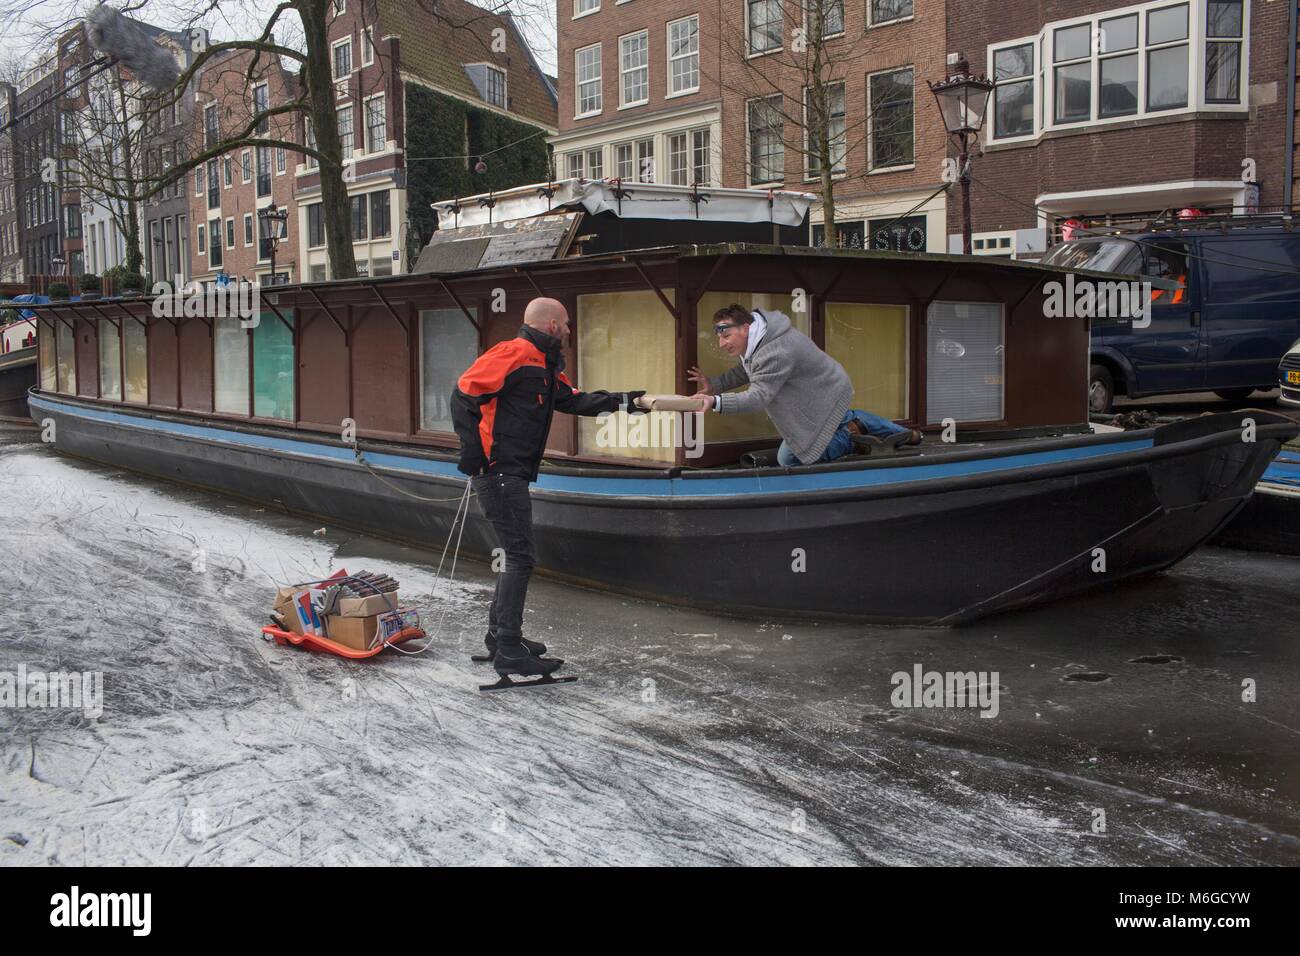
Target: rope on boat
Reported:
[(356, 450)]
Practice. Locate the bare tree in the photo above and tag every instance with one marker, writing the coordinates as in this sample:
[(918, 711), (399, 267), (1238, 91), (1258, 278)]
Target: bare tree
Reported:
[(801, 74)]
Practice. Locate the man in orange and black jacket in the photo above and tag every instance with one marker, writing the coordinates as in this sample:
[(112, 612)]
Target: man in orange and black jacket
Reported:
[(502, 408)]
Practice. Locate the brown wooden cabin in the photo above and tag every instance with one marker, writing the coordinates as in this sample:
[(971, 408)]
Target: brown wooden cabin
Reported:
[(387, 351)]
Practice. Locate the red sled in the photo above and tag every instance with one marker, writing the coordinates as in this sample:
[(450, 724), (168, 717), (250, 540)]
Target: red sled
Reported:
[(316, 642)]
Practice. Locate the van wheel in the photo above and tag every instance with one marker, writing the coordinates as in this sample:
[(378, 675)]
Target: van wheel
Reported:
[(1101, 390), (1235, 394)]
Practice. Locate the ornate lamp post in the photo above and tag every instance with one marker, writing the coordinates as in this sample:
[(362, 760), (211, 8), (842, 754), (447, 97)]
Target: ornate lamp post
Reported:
[(963, 99), (272, 219)]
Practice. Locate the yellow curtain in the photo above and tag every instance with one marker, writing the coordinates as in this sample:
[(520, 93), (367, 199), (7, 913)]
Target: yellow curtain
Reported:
[(626, 340), (714, 361), (49, 377), (67, 359), (870, 341)]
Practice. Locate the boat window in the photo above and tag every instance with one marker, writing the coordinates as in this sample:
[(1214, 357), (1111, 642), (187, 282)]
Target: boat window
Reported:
[(49, 373), (871, 342), (627, 340), (273, 366), (448, 346), (713, 361), (964, 352), (110, 361), (1100, 255), (230, 344), (67, 377), (137, 361)]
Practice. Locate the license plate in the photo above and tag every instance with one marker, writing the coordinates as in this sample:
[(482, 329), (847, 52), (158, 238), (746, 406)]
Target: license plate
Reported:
[(1293, 378)]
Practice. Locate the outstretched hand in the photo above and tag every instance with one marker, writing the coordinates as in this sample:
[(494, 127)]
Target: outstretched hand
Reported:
[(699, 378)]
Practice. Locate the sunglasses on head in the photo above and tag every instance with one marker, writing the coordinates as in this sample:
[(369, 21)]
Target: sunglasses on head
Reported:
[(723, 327)]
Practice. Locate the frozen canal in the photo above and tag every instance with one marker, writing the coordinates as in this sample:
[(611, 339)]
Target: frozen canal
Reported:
[(690, 738)]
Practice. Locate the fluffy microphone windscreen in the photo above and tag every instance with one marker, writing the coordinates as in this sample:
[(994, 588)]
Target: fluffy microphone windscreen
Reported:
[(115, 35)]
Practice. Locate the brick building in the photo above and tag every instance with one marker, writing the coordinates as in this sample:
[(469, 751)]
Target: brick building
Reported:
[(1113, 110), (37, 181), (227, 193), (629, 108), (11, 256), (408, 83)]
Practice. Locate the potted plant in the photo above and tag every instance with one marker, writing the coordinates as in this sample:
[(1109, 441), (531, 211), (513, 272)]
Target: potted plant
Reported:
[(89, 284), (59, 291), (132, 284)]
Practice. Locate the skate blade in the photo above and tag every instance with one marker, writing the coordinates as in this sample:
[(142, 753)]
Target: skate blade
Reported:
[(482, 658), (505, 683)]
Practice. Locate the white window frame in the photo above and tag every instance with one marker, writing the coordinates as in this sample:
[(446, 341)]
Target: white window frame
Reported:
[(249, 230), (885, 23), (581, 156), (579, 13), (227, 173), (365, 122), (281, 161), (587, 165), (598, 79), (368, 46), (668, 36), (246, 166), (505, 85), (352, 129), (345, 41), (623, 102), (230, 232), (750, 53), (749, 144), (1044, 74), (872, 168), (839, 169), (803, 12)]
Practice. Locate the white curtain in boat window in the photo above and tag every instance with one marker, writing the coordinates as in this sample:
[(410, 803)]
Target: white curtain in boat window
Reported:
[(137, 361), (448, 346), (963, 374), (230, 344)]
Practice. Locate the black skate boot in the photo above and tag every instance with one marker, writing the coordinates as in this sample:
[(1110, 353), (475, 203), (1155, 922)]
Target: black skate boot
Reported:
[(513, 657), (536, 648)]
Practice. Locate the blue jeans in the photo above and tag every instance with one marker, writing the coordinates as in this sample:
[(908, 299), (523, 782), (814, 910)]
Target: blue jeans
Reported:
[(841, 442)]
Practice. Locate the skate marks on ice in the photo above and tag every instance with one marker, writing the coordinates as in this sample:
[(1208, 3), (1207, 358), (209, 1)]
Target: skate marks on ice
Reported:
[(216, 748)]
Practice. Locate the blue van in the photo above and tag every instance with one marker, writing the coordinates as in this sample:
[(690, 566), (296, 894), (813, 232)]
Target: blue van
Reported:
[(1234, 314)]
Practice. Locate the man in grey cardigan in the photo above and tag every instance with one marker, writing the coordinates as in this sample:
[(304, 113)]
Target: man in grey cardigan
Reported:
[(805, 392)]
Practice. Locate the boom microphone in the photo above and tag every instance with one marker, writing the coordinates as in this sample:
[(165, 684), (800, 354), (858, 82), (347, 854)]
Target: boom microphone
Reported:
[(127, 42)]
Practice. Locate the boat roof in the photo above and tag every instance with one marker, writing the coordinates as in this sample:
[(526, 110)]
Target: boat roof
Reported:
[(666, 254)]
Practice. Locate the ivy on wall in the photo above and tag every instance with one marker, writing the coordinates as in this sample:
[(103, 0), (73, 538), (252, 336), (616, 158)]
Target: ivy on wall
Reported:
[(438, 125)]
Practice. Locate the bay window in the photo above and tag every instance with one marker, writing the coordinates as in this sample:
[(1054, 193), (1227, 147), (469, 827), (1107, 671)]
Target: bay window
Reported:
[(1153, 59)]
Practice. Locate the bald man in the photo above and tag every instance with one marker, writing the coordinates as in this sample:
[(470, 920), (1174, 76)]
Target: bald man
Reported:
[(502, 409)]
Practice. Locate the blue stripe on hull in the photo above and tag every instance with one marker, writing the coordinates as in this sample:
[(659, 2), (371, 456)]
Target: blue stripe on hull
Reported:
[(647, 487)]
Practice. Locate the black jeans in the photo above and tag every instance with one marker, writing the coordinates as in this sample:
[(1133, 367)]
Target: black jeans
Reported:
[(506, 504)]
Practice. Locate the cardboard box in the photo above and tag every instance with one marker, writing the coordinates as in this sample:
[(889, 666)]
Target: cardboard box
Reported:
[(289, 613), (363, 633), (368, 606)]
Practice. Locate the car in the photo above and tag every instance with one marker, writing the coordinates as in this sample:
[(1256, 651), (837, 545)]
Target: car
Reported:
[(1288, 377), (1231, 313)]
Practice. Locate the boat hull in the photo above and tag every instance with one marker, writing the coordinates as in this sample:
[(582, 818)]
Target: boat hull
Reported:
[(17, 376), (901, 542), (1270, 521)]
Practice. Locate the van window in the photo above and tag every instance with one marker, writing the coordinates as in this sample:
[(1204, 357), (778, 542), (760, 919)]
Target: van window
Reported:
[(1255, 269), (1099, 255), (1168, 260)]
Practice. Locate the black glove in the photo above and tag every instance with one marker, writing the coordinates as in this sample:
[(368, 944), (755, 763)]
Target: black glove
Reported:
[(628, 400)]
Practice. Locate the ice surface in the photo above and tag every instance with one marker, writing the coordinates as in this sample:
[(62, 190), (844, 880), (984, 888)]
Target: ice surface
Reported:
[(690, 738)]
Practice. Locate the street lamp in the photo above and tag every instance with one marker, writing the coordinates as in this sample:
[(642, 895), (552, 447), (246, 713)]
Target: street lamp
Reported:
[(963, 99), (272, 219)]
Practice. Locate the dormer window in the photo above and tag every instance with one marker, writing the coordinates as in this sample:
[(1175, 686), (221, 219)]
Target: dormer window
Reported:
[(496, 87)]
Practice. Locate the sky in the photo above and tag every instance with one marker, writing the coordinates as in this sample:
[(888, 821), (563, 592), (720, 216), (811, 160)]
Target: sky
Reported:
[(26, 25)]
